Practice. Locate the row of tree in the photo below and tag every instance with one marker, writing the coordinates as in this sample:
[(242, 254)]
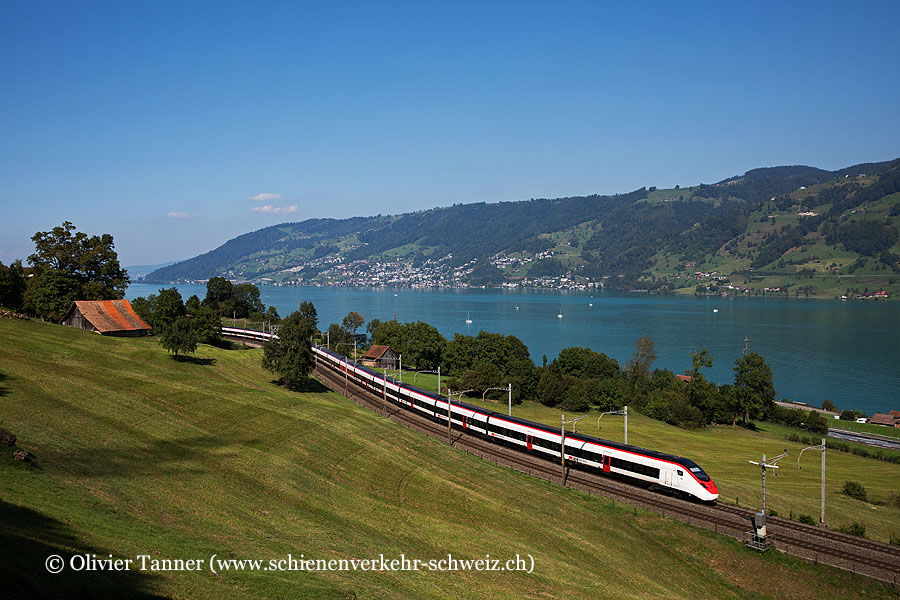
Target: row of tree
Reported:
[(182, 325), (578, 379)]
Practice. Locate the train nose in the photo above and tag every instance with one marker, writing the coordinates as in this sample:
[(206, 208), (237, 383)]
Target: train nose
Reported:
[(711, 487)]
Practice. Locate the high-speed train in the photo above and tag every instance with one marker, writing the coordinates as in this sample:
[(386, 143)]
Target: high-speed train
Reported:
[(676, 473)]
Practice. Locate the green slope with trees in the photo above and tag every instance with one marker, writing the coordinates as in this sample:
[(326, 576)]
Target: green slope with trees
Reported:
[(799, 229), (134, 453)]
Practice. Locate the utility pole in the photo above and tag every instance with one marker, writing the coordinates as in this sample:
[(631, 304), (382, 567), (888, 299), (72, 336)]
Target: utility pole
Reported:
[(562, 439), (820, 447), (767, 465), (616, 412), (508, 388), (746, 346), (450, 412)]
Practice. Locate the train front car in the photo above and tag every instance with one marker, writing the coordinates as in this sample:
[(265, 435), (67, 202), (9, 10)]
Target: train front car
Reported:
[(697, 482)]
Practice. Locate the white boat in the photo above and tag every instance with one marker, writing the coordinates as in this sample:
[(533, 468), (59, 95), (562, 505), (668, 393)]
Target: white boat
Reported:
[(468, 320)]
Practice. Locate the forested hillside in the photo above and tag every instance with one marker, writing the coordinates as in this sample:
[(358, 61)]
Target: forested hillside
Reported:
[(764, 229)]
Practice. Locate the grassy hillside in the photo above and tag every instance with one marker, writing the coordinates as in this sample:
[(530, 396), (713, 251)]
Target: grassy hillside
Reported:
[(140, 454)]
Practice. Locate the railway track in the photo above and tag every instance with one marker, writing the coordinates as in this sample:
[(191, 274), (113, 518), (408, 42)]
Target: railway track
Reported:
[(866, 557)]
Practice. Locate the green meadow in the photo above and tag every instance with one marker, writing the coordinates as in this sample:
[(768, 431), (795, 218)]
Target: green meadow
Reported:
[(139, 454)]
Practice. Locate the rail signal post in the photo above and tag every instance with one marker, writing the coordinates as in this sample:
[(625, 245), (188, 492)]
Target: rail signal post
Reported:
[(767, 465), (820, 447), (758, 538)]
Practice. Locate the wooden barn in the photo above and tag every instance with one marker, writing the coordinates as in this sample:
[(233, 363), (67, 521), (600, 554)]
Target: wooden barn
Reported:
[(380, 356), (106, 317)]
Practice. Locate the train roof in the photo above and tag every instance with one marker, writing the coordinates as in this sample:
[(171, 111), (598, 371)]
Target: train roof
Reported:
[(685, 462)]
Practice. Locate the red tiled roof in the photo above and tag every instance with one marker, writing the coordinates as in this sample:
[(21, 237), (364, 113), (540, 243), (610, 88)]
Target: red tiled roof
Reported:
[(110, 315), (685, 378), (376, 351)]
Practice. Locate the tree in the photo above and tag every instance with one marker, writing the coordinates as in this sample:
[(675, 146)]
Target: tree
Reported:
[(426, 345), (352, 322), (167, 307), (272, 315), (245, 301), (638, 366), (584, 363), (12, 285), (827, 404), (218, 295), (91, 262), (308, 311), (701, 393), (207, 325), (290, 354), (179, 337), (193, 304), (388, 333), (50, 294), (753, 384)]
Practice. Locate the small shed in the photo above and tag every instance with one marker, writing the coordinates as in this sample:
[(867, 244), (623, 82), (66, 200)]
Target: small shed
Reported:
[(882, 419), (380, 356), (106, 317)]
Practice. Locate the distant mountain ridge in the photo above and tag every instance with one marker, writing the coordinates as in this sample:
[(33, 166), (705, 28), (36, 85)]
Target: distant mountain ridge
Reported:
[(638, 239)]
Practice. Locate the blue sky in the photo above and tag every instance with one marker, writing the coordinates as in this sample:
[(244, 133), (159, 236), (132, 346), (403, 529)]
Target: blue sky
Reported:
[(177, 126)]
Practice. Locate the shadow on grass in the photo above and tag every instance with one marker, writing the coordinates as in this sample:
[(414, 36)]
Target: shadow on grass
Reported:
[(195, 455), (194, 360), (4, 391), (308, 386), (28, 538)]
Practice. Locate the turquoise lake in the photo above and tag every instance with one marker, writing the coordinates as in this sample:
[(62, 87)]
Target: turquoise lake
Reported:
[(846, 351)]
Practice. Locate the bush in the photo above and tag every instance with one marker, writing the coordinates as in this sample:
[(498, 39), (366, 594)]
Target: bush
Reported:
[(857, 529), (806, 520), (855, 490), (893, 499)]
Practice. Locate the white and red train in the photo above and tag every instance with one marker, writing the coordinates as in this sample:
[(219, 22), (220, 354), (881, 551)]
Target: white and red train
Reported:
[(668, 471)]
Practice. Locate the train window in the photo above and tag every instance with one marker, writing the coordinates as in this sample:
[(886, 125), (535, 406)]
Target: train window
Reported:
[(696, 470)]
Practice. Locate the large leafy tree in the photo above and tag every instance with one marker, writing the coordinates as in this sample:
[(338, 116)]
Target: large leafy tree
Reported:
[(308, 311), (753, 385), (420, 344), (218, 294), (245, 301), (89, 261), (167, 308), (584, 363), (290, 354), (491, 360), (206, 324)]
